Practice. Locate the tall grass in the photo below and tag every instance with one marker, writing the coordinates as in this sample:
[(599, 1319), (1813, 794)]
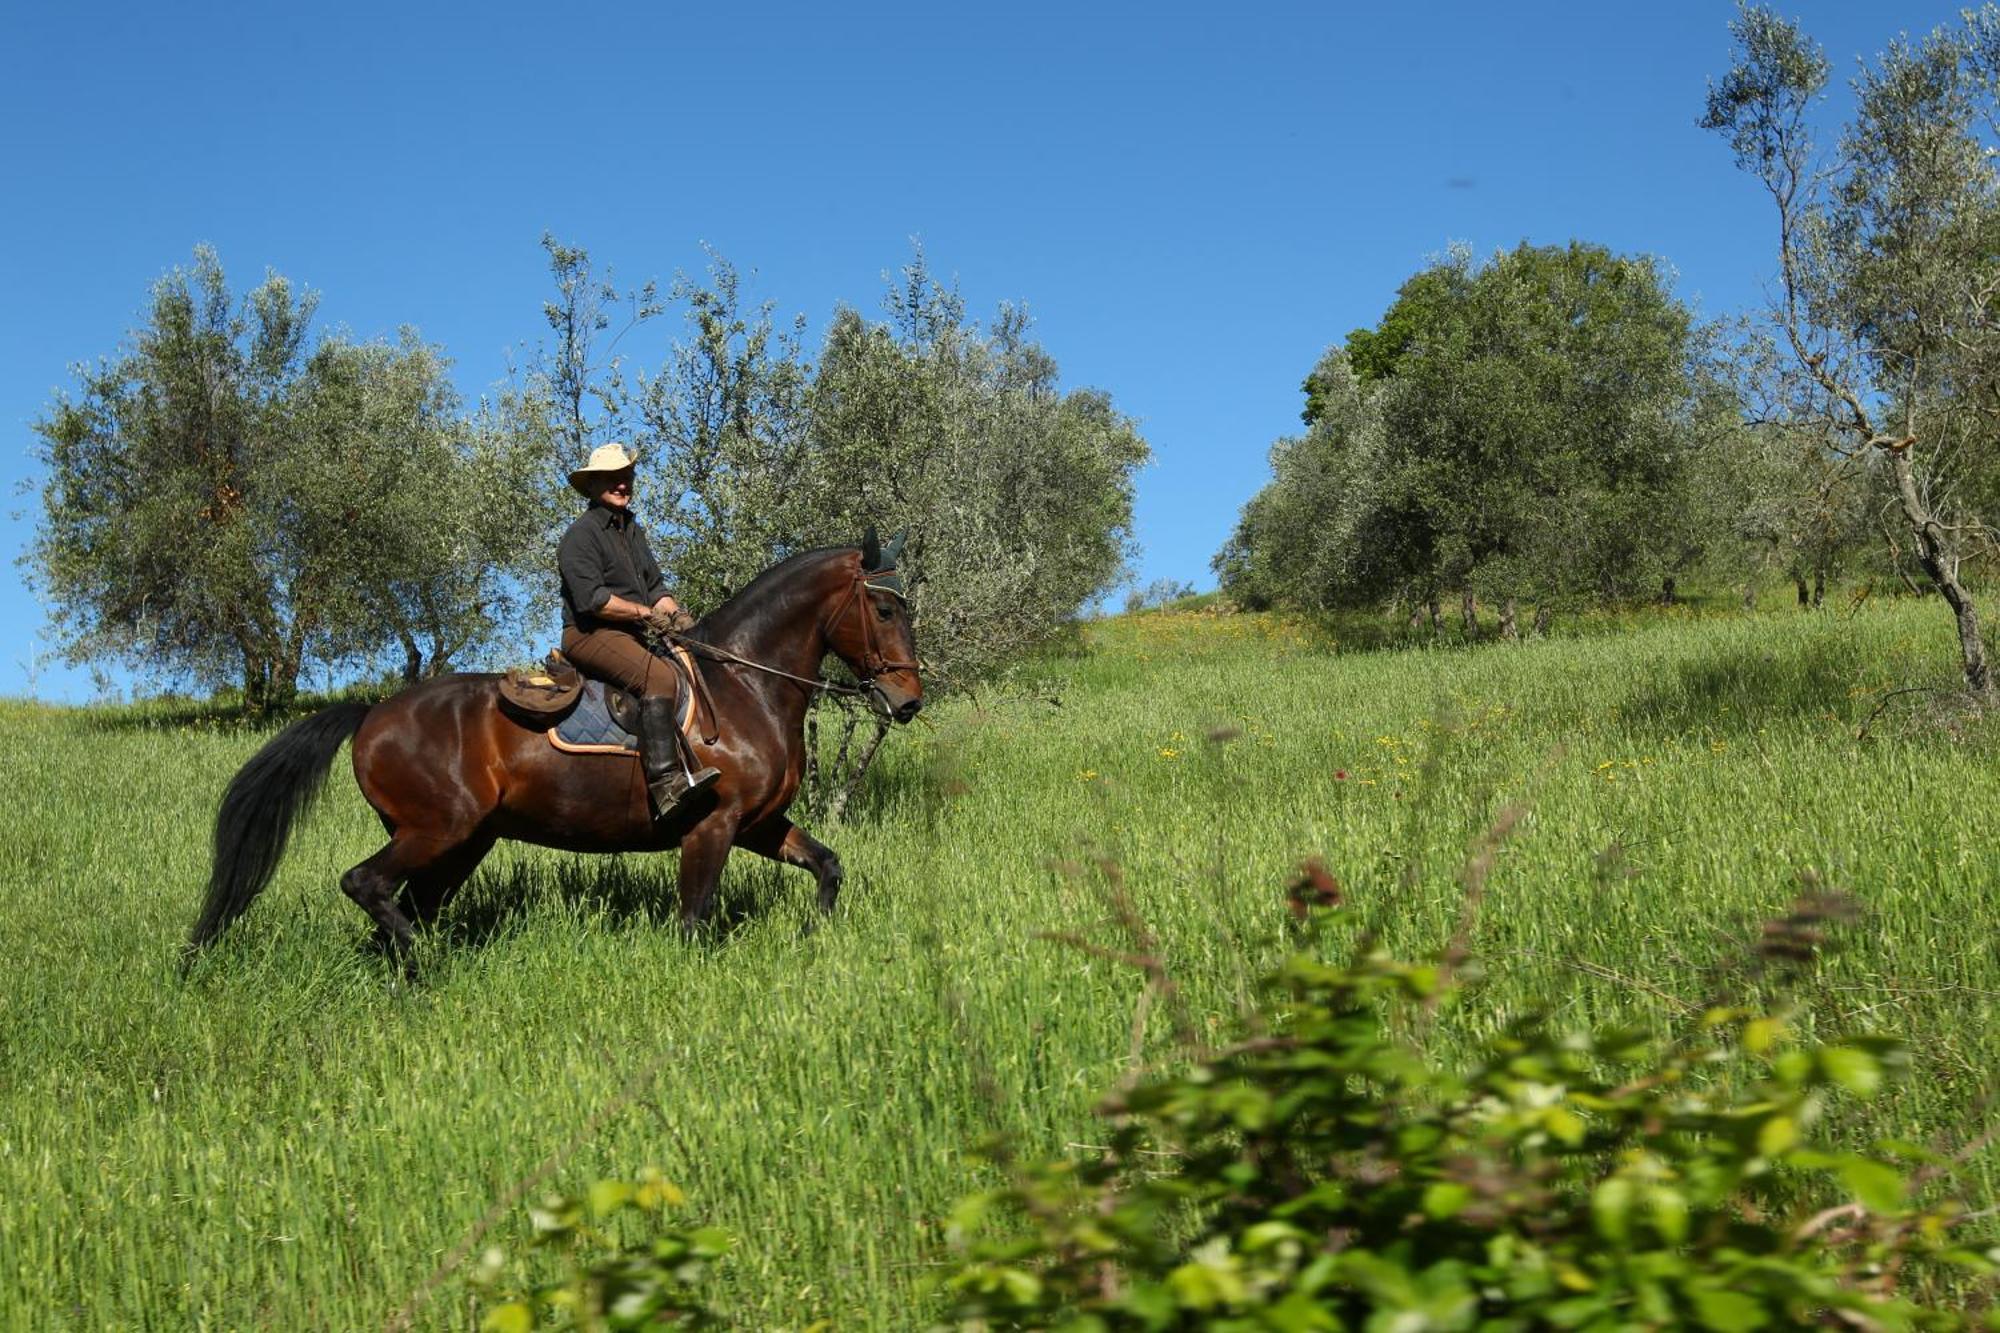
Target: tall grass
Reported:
[(292, 1139)]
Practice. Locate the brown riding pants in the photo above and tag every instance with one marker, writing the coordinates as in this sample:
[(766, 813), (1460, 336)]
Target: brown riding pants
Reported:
[(620, 657)]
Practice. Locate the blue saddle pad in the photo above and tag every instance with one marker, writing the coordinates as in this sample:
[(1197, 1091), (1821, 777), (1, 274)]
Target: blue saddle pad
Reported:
[(589, 723)]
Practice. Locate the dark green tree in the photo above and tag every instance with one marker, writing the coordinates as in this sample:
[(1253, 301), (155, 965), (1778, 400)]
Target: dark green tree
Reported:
[(1517, 428)]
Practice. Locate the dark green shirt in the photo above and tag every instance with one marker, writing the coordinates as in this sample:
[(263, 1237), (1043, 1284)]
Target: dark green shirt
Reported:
[(604, 555)]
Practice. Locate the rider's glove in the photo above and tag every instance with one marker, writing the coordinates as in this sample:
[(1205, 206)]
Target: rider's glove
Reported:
[(663, 621)]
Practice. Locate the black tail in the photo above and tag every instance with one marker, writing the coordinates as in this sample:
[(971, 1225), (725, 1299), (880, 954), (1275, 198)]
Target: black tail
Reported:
[(264, 800)]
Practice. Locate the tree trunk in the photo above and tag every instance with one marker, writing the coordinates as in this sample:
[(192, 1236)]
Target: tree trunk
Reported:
[(1468, 614), (1437, 622), (1799, 582), (256, 682), (1510, 629), (1543, 615), (1819, 586), (838, 806), (1667, 597), (1940, 561), (413, 660)]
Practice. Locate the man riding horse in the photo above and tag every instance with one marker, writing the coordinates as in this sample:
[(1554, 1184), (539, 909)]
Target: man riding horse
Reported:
[(612, 593)]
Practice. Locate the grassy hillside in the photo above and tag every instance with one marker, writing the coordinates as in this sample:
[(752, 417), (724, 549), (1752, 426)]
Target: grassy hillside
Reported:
[(289, 1140)]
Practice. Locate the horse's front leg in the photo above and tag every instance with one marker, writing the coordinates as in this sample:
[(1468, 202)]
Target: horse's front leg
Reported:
[(704, 852), (781, 840)]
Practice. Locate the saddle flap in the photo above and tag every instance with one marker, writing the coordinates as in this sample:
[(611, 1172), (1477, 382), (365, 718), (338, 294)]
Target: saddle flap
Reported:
[(546, 694)]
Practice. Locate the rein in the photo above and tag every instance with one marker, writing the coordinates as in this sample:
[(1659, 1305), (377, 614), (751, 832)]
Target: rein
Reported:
[(724, 655)]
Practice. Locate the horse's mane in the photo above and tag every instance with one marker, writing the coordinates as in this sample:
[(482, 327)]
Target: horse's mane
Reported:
[(758, 592)]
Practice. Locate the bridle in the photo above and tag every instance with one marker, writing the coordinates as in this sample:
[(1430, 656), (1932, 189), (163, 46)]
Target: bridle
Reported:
[(873, 663)]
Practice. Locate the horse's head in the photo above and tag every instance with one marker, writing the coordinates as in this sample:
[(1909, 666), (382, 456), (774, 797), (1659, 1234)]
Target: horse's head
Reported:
[(870, 630)]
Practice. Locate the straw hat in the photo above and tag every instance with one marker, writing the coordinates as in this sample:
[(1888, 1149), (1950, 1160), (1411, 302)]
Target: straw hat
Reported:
[(605, 461)]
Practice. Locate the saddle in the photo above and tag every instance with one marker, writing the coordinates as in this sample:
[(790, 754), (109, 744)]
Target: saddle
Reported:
[(584, 715)]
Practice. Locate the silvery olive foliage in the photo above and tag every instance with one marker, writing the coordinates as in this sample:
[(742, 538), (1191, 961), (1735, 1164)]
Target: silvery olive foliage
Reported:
[(1888, 293), (1016, 492), (229, 500)]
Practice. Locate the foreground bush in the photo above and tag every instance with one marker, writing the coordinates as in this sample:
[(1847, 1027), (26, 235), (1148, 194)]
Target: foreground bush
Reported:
[(605, 1282), (1321, 1174)]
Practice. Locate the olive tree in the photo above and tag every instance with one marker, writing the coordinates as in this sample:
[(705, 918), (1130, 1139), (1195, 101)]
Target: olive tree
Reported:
[(1888, 274), (158, 543), (226, 500), (1017, 493), (432, 515)]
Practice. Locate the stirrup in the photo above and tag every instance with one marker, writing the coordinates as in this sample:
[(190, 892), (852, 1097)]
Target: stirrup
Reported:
[(673, 790)]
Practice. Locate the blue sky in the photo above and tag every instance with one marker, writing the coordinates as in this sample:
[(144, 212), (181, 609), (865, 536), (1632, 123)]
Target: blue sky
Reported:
[(1193, 203)]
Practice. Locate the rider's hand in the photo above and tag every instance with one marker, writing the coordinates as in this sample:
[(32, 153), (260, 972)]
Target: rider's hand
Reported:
[(669, 621)]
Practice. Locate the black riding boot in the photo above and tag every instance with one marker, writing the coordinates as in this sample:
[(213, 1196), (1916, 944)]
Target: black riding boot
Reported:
[(660, 749)]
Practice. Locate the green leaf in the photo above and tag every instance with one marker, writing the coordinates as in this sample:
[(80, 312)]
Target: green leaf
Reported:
[(1021, 1286), (555, 1218), (1611, 1209), (513, 1317), (1776, 1135), (1444, 1198), (1204, 1286), (608, 1196), (1565, 1124), (1669, 1208), (1857, 1071), (1877, 1185), (1761, 1034), (1151, 1303), (1265, 1235), (710, 1242), (1727, 1311)]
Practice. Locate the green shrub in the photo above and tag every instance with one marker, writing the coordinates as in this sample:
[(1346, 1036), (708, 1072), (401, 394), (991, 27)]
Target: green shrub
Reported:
[(610, 1282), (1322, 1173)]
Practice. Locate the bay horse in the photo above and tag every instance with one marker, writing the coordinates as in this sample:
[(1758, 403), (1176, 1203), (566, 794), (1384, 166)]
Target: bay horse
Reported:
[(451, 772)]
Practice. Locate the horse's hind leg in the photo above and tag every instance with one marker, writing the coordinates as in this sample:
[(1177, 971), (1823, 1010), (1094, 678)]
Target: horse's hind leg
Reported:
[(373, 884)]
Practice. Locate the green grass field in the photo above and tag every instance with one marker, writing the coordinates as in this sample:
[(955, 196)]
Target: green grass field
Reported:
[(291, 1141)]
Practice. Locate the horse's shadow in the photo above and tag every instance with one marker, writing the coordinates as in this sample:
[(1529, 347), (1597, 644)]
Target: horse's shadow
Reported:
[(625, 892)]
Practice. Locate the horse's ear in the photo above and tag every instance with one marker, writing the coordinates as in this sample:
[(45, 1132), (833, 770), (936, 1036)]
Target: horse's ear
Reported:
[(871, 549), (894, 550)]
